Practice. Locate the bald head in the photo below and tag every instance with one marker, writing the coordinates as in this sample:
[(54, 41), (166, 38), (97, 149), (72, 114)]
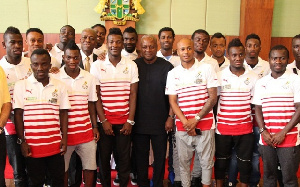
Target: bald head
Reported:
[(185, 50), (88, 40)]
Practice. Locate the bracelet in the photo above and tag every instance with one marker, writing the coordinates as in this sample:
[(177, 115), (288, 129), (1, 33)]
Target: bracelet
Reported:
[(1, 130), (103, 120), (261, 130), (172, 116)]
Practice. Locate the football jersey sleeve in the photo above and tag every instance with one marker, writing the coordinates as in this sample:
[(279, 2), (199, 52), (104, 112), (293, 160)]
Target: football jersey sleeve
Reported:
[(19, 94), (170, 85)]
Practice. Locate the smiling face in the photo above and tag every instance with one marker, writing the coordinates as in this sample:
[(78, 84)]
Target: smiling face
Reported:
[(34, 40), (114, 45), (278, 61), (149, 49), (166, 40), (185, 50), (100, 31), (88, 40), (13, 44)]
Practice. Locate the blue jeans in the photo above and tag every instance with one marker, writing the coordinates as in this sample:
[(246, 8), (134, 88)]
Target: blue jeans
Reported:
[(255, 174)]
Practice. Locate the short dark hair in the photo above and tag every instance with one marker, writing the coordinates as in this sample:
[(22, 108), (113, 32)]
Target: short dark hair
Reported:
[(68, 26), (279, 47), (34, 30), (130, 30), (199, 31), (41, 52), (236, 42), (115, 31), (296, 36), (166, 29), (71, 45), (99, 25), (252, 36), (11, 30), (218, 35)]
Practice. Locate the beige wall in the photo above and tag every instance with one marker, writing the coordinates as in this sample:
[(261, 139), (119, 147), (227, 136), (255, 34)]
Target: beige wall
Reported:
[(184, 16)]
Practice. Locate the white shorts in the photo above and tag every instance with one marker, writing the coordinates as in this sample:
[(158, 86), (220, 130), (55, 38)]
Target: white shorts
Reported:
[(86, 152)]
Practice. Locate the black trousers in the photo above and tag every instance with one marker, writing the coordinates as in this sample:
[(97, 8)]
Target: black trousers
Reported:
[(37, 167), (17, 160), (2, 159), (142, 148), (243, 145), (122, 144)]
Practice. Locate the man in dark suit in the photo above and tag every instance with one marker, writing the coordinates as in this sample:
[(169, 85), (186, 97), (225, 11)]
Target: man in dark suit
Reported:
[(88, 43)]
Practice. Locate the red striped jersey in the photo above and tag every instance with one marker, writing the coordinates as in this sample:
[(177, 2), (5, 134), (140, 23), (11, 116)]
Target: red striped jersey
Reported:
[(234, 106), (190, 86), (115, 87), (13, 74), (41, 107), (81, 90), (277, 98)]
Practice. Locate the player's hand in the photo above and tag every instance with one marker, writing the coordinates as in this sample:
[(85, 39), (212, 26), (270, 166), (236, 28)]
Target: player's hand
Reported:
[(169, 125), (25, 148), (126, 130), (63, 146), (107, 127), (102, 56), (96, 134)]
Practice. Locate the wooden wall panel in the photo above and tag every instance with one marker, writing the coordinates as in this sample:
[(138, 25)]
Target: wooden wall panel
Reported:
[(287, 42), (256, 17)]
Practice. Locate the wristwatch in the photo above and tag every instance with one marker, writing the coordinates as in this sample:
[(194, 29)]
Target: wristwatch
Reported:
[(197, 117), (130, 122), (172, 116), (261, 130), (20, 141)]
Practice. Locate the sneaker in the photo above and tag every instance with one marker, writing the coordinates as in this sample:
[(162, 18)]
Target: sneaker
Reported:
[(133, 177), (98, 181), (171, 177), (116, 182)]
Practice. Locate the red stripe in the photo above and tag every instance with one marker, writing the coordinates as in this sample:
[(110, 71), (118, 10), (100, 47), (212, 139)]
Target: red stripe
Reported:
[(234, 105), (234, 110), (40, 120), (238, 129), (236, 121), (44, 151)]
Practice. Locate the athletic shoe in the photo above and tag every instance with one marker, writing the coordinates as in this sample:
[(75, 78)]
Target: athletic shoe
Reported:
[(133, 177), (117, 181)]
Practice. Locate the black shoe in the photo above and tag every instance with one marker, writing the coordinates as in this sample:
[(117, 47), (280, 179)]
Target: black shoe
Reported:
[(196, 181), (177, 184), (133, 177)]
